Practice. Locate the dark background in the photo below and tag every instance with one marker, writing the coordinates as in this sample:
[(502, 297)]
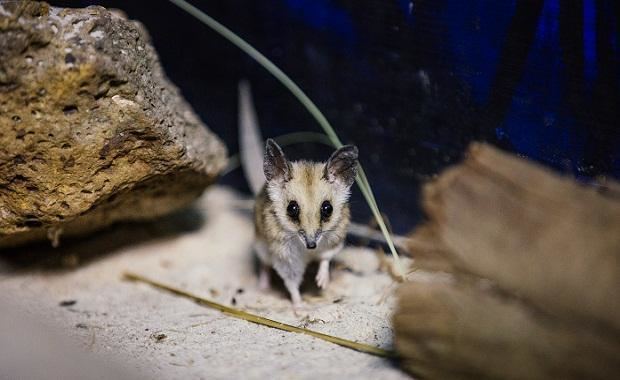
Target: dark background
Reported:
[(410, 82)]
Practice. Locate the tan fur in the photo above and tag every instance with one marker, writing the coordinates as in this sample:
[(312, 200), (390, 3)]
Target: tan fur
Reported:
[(309, 189), (279, 244)]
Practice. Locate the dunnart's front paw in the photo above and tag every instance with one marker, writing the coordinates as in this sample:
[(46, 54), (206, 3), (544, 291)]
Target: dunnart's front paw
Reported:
[(322, 277)]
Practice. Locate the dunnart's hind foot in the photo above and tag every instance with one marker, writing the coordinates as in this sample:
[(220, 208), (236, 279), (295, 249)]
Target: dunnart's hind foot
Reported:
[(264, 278), (301, 309)]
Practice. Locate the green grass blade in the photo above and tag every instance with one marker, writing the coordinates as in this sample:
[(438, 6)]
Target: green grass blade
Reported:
[(287, 82), (287, 139)]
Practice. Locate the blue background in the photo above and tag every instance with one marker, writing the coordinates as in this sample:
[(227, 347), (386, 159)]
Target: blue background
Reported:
[(412, 83)]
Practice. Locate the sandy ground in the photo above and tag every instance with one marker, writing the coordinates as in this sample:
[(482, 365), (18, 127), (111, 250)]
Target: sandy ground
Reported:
[(77, 290)]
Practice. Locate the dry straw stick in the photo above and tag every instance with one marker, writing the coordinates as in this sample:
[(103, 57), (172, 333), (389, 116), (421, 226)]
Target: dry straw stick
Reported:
[(261, 320), (362, 180)]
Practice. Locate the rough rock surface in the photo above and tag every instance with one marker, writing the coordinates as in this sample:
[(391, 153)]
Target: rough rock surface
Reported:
[(91, 130)]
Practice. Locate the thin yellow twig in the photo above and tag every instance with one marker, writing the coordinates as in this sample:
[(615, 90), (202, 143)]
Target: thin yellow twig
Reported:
[(361, 347)]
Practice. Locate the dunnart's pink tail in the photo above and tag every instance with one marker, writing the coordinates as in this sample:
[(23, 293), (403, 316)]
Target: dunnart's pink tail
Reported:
[(250, 140)]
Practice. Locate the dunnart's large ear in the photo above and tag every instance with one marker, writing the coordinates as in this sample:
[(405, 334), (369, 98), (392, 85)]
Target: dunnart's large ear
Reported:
[(275, 164), (342, 165)]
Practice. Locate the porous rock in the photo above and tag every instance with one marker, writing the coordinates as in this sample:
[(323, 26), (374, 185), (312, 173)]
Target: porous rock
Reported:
[(91, 130)]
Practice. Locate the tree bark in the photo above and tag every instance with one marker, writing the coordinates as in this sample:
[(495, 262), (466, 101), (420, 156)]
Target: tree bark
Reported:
[(526, 275)]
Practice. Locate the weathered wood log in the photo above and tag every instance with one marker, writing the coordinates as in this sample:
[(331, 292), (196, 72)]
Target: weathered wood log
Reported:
[(533, 289)]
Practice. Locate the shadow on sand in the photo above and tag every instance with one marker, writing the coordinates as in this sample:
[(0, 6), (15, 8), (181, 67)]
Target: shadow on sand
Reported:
[(78, 251)]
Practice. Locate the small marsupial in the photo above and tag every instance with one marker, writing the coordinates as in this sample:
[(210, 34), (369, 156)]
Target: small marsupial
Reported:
[(302, 214)]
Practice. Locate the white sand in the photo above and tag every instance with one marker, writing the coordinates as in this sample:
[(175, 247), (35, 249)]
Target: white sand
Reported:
[(122, 320)]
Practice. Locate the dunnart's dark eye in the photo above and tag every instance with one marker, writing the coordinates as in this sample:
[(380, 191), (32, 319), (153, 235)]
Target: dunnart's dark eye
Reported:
[(326, 210), (293, 210)]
